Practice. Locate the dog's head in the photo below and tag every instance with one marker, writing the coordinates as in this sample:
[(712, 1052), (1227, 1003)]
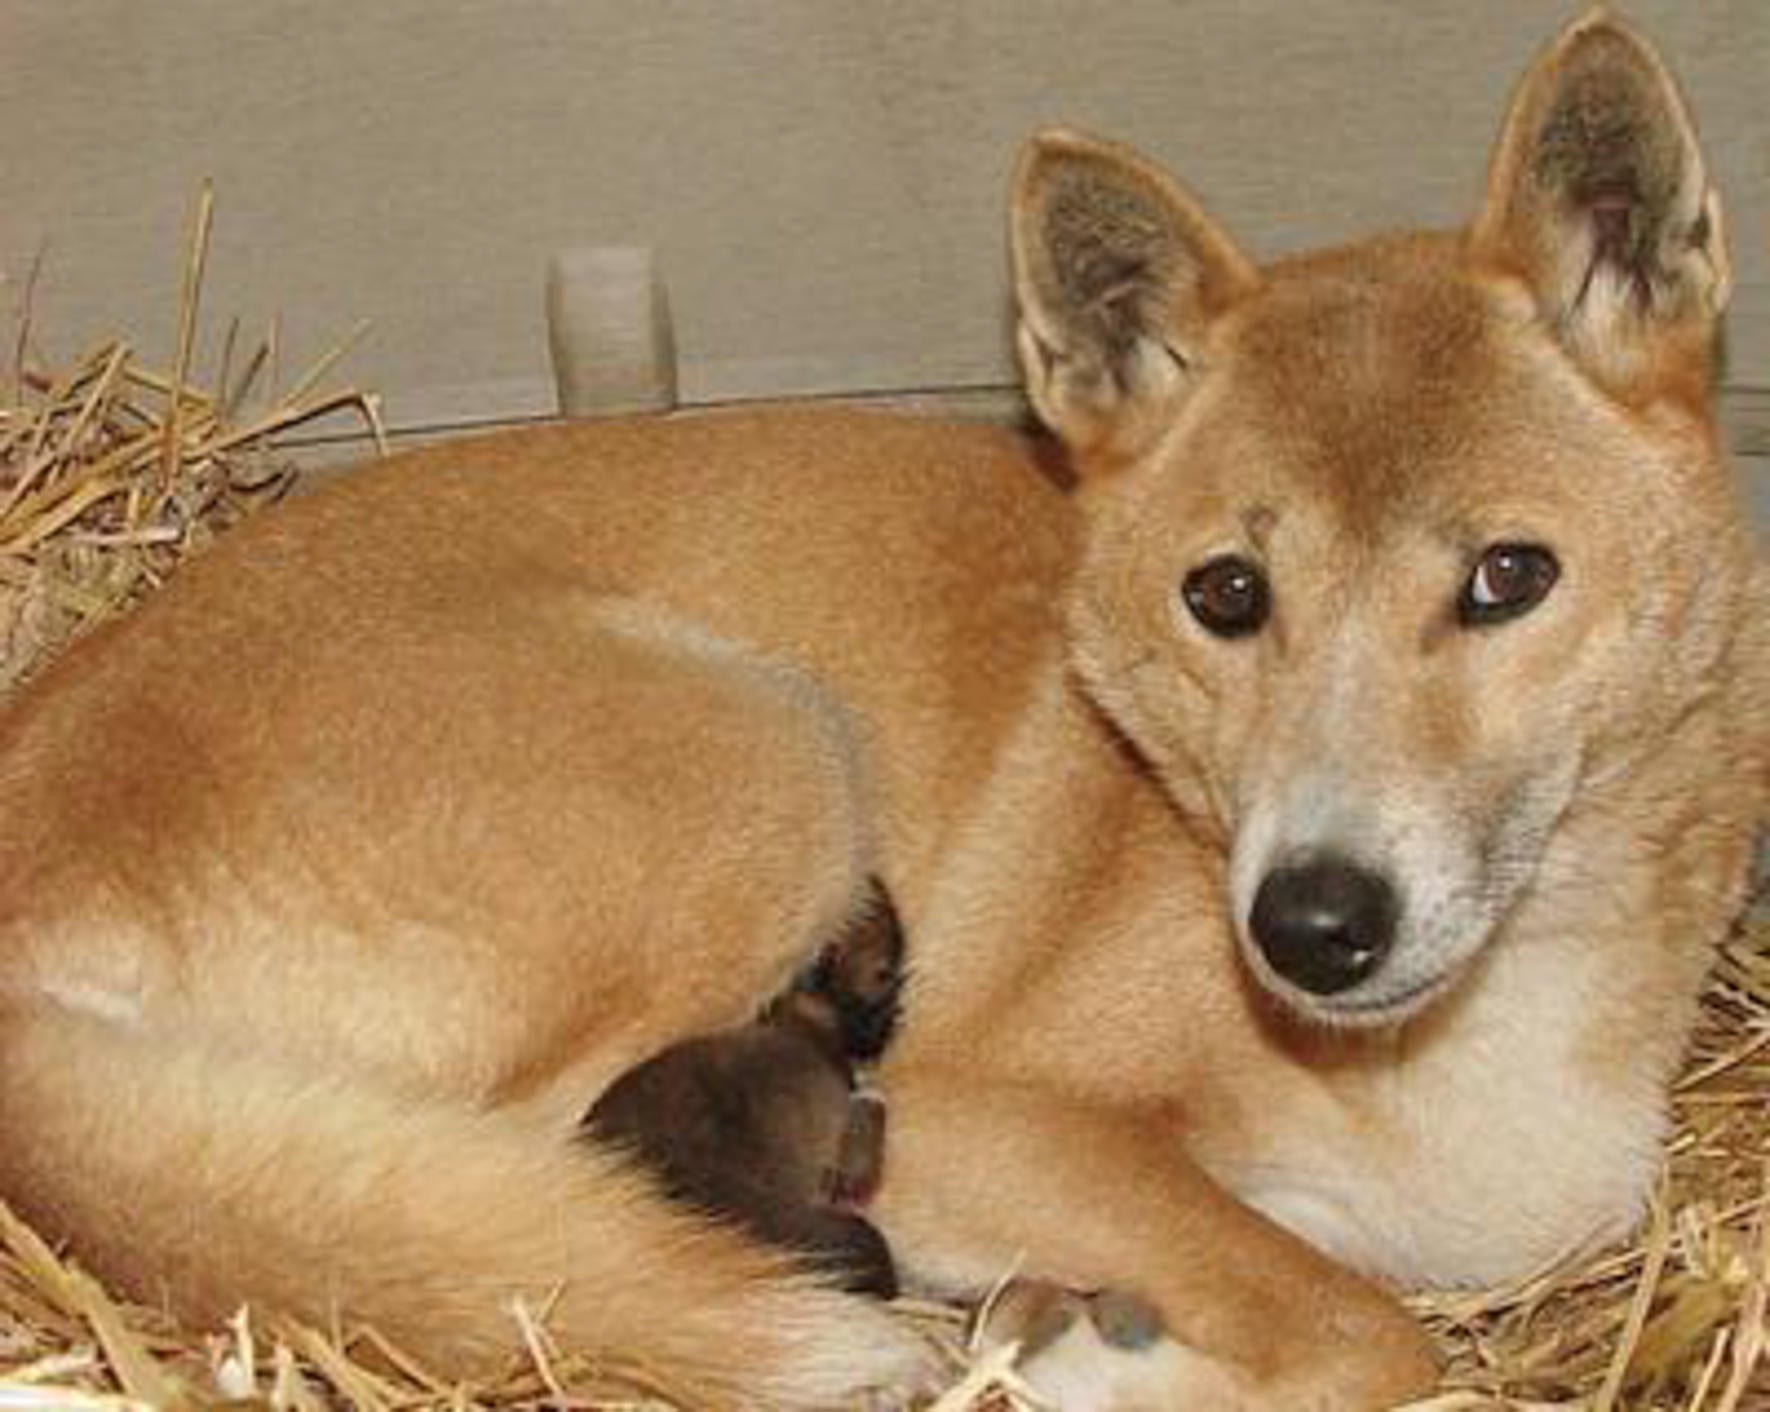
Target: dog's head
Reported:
[(1396, 550)]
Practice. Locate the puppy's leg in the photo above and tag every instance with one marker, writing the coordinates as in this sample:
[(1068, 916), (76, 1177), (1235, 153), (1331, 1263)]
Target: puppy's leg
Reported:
[(985, 1175), (860, 1162)]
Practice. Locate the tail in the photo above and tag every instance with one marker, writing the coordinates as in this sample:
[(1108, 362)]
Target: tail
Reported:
[(172, 1167)]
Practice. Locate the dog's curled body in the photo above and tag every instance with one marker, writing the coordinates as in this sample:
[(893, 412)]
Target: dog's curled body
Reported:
[(334, 888), (335, 883)]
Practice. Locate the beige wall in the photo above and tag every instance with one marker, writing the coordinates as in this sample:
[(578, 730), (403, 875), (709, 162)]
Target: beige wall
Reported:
[(822, 178)]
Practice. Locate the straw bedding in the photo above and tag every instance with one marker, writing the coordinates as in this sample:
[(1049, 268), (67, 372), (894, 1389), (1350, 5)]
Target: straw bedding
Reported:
[(111, 474)]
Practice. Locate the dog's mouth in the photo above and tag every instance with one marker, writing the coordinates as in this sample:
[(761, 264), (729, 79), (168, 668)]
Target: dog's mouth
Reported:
[(1384, 1010), (1382, 1002)]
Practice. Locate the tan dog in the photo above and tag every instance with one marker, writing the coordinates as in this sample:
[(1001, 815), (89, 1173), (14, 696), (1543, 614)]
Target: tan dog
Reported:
[(1335, 799)]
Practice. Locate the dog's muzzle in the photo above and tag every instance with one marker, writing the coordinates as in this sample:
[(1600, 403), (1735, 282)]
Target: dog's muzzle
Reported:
[(1324, 924)]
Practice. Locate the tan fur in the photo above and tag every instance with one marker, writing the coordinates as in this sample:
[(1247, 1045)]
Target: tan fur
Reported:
[(338, 882)]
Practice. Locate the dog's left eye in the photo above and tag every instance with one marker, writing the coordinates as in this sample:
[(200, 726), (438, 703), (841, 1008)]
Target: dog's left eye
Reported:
[(1228, 596), (1507, 582)]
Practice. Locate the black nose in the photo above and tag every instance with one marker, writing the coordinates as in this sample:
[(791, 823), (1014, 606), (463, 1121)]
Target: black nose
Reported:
[(1325, 925)]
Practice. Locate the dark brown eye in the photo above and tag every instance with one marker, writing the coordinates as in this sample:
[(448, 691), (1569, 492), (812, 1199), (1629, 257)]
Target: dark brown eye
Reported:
[(1507, 582), (1228, 596)]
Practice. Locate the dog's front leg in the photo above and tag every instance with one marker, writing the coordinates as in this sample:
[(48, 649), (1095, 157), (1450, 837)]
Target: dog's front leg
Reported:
[(983, 1177)]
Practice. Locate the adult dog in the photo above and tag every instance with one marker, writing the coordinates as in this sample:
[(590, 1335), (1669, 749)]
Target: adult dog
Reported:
[(1311, 832)]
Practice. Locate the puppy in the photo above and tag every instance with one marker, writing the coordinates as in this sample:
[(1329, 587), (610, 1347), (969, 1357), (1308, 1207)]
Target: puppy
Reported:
[(762, 1123)]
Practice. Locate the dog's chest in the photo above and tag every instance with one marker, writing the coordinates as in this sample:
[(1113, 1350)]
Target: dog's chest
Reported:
[(1478, 1162)]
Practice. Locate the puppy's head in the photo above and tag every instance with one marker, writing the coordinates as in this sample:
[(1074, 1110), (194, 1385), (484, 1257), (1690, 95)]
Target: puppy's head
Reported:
[(1396, 549)]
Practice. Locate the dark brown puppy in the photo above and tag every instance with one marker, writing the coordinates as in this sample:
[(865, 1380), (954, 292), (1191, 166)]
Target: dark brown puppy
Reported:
[(762, 1123)]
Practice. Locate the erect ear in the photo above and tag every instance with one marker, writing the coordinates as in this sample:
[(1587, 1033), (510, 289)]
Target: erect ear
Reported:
[(1118, 273), (1599, 197)]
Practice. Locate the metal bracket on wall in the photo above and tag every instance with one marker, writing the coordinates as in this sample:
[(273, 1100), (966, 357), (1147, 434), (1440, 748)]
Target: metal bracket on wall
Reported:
[(1745, 413), (609, 331)]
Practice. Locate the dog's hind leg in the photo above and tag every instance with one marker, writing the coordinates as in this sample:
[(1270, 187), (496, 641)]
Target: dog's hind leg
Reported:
[(303, 987), (636, 832)]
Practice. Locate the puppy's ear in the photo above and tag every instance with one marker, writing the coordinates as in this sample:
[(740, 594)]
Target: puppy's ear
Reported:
[(1118, 273), (1599, 198)]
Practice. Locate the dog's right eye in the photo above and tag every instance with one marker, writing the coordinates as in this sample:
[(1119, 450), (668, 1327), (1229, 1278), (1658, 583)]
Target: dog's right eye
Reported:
[(1507, 582), (1228, 596)]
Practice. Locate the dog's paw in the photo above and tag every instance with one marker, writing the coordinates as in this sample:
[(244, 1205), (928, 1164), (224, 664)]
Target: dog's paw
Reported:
[(1031, 1313), (1105, 1352), (1125, 1320)]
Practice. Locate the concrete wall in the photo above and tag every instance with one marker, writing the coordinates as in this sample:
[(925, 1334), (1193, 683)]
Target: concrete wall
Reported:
[(822, 179)]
